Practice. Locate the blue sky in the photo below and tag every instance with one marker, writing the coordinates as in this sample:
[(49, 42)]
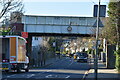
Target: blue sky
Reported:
[(60, 8)]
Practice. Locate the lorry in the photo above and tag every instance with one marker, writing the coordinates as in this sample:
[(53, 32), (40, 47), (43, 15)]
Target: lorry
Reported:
[(13, 54)]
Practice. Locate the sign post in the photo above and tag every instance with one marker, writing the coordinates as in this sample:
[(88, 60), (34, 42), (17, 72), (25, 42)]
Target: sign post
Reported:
[(96, 47)]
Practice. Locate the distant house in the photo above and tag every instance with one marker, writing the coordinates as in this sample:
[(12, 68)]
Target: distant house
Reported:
[(36, 44)]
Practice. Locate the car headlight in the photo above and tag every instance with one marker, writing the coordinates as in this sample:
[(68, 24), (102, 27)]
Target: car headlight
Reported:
[(85, 58), (78, 57)]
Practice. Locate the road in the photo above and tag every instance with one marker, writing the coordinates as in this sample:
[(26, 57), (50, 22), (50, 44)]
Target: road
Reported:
[(65, 68)]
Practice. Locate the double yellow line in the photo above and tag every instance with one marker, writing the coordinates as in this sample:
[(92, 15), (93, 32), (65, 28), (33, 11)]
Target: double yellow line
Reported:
[(4, 68)]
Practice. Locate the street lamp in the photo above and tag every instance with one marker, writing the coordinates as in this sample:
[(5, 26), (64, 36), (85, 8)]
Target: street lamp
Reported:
[(96, 47), (75, 44)]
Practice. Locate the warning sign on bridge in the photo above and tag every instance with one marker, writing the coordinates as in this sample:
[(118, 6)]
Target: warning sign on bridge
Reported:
[(25, 34)]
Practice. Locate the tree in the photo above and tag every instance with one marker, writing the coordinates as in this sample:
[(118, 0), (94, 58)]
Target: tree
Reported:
[(111, 30), (9, 6)]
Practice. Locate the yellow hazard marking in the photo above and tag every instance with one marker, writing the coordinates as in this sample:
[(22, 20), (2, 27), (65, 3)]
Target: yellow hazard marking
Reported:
[(4, 68)]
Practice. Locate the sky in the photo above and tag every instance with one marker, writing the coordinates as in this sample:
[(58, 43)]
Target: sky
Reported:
[(61, 7)]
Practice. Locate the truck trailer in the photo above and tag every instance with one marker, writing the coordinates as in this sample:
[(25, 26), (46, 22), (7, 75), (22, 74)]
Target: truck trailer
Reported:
[(13, 54)]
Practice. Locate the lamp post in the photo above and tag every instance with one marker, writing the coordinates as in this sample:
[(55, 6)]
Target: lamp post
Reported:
[(96, 47), (75, 46)]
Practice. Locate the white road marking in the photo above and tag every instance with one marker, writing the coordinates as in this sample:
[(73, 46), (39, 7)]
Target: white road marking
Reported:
[(29, 76), (11, 75), (48, 70), (51, 76), (48, 76), (70, 63), (8, 76), (56, 75), (85, 75), (41, 73), (67, 77)]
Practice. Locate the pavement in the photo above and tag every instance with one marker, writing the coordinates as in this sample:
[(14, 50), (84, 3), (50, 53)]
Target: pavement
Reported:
[(52, 60), (103, 72), (49, 62)]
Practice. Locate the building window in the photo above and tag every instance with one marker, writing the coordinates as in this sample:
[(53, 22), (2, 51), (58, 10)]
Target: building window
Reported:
[(57, 18), (36, 38)]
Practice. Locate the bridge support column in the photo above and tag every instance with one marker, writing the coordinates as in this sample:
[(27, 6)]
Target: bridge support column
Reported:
[(29, 48)]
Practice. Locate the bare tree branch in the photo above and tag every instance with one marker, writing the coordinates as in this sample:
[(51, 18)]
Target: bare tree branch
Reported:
[(8, 6), (5, 9)]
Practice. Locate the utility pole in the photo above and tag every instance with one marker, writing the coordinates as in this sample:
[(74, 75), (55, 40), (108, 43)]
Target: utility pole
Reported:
[(96, 48), (44, 48), (55, 47), (117, 26), (75, 44)]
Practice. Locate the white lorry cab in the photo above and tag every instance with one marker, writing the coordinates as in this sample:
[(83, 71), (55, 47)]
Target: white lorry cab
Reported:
[(13, 53)]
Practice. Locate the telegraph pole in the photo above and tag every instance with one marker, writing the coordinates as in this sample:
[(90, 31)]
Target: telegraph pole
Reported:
[(55, 48), (96, 48)]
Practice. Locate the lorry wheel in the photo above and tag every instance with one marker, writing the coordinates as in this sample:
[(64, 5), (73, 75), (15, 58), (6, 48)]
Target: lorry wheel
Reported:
[(6, 70), (26, 70), (18, 70)]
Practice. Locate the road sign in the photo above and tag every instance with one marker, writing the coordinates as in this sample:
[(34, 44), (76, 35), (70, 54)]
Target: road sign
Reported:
[(25, 34), (54, 44), (62, 48)]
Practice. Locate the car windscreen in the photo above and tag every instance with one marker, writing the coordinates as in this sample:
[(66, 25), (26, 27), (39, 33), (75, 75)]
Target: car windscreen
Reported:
[(82, 54)]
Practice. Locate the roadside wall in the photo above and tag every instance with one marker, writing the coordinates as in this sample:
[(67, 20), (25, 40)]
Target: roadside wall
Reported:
[(110, 62)]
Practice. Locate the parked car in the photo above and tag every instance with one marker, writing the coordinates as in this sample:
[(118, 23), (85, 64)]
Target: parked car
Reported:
[(75, 56), (71, 55), (63, 55), (81, 57)]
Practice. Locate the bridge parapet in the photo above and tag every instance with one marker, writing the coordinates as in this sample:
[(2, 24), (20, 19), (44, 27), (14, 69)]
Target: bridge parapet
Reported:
[(60, 24)]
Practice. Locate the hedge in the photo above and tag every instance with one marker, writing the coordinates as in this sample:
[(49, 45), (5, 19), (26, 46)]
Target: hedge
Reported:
[(117, 64)]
